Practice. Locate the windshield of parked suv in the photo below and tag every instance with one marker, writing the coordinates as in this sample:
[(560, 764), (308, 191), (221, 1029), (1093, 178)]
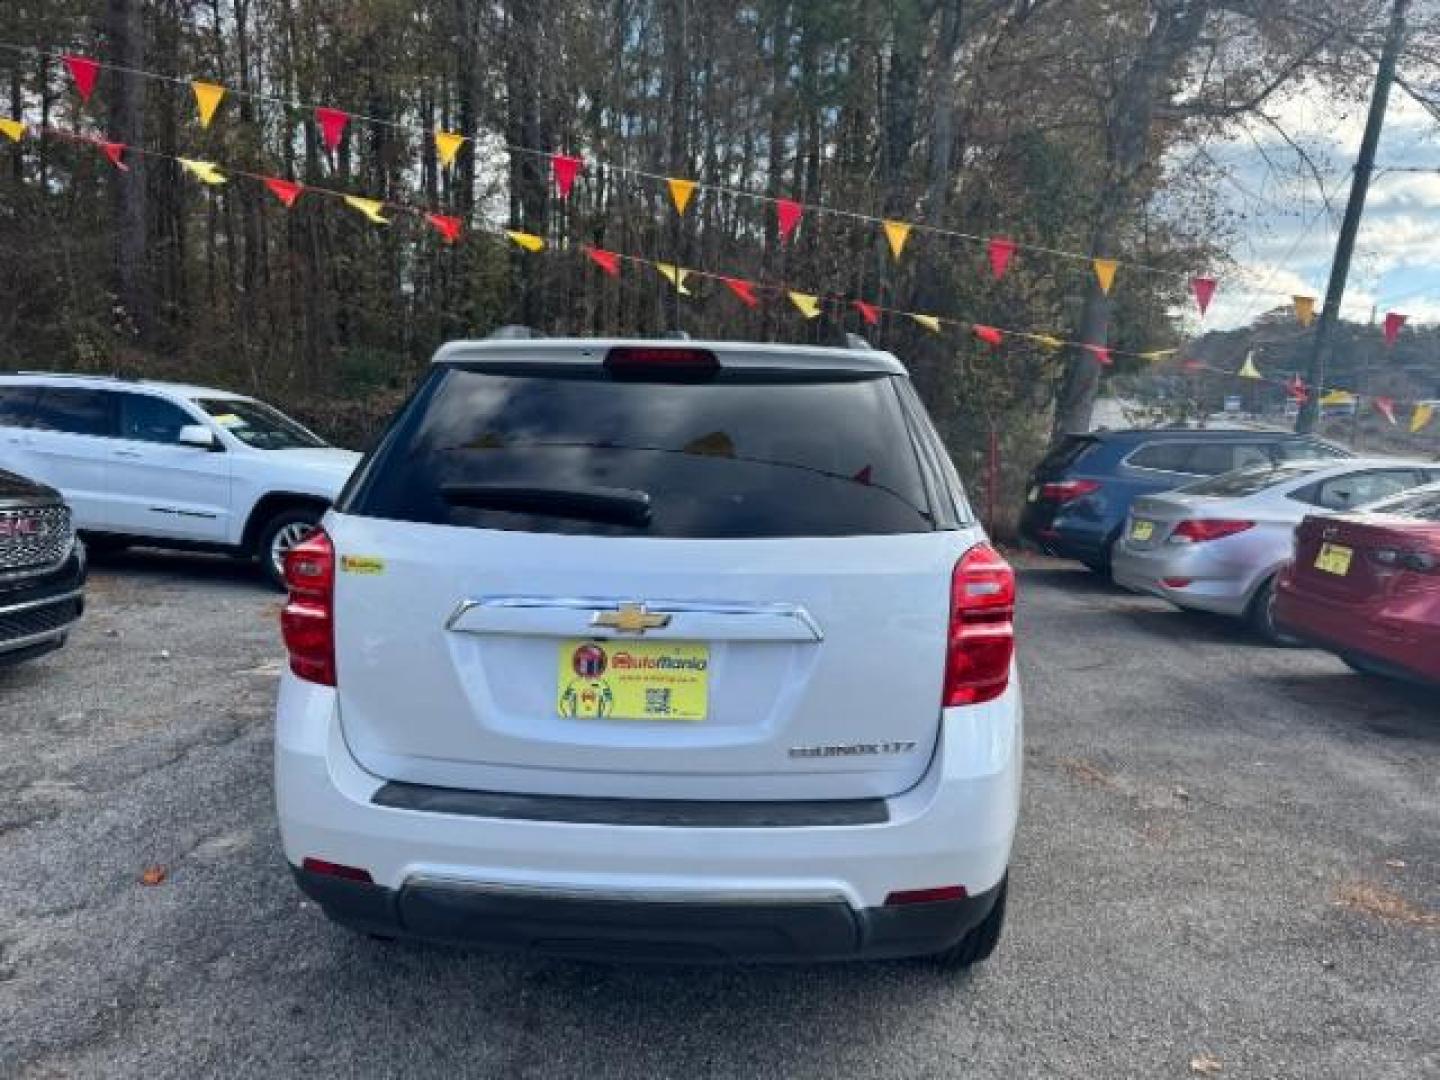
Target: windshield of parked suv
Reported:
[(1237, 485), (581, 452), (257, 424)]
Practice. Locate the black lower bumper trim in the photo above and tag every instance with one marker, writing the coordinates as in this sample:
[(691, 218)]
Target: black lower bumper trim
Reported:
[(605, 928), (678, 813)]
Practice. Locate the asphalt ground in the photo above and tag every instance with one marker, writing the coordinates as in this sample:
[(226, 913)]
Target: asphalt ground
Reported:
[(1228, 864)]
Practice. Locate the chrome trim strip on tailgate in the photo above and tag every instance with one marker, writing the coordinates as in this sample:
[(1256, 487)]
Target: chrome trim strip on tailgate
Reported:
[(662, 813), (738, 620)]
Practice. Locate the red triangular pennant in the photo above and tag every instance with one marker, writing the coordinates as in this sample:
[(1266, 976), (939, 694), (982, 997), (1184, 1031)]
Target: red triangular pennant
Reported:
[(787, 215), (606, 260), (332, 126), (565, 168), (446, 226), (1393, 322), (869, 312), (988, 334), (743, 289), (116, 153), (1204, 290), (1385, 406), (1100, 352), (1297, 390), (84, 71), (287, 191), (1000, 249), (1193, 365)]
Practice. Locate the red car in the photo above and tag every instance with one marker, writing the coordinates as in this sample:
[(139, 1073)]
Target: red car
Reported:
[(1366, 586)]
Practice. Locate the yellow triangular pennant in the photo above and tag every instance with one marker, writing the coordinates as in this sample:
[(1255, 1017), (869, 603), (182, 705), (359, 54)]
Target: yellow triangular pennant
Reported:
[(675, 275), (680, 192), (1046, 341), (1421, 416), (203, 171), (808, 305), (447, 145), (528, 241), (15, 129), (207, 99), (897, 232), (369, 207), (1338, 397), (1305, 310), (1105, 273), (929, 322), (1248, 370), (1158, 354)]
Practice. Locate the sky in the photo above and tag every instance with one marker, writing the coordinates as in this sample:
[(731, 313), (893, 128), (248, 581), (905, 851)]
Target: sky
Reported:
[(1286, 239)]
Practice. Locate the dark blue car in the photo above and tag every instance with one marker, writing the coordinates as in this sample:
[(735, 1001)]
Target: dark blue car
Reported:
[(1080, 493)]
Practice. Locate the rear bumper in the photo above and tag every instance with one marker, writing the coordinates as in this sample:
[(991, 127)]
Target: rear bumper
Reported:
[(604, 926), (1213, 583), (1066, 536), (1408, 647), (733, 890)]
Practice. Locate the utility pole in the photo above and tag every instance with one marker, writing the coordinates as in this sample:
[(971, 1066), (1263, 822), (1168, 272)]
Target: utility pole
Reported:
[(1350, 226)]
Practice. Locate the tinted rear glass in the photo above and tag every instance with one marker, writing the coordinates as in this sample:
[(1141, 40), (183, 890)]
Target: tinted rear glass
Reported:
[(1067, 452), (1421, 505), (1237, 485), (17, 405), (725, 457), (75, 411)]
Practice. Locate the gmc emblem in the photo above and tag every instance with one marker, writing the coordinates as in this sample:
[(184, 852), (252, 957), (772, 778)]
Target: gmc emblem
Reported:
[(21, 529)]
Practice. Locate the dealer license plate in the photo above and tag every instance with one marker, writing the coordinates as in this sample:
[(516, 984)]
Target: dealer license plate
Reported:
[(1334, 559), (640, 680), (1140, 531)]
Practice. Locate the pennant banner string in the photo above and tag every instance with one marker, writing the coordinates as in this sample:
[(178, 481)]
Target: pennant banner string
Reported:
[(289, 191), (788, 208)]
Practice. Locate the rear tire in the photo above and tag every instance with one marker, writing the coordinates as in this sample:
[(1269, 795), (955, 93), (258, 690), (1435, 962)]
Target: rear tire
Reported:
[(280, 534), (978, 945), (1261, 617)]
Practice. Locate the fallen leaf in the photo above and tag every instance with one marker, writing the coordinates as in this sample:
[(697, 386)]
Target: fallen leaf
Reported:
[(152, 875), (1395, 864), (1181, 794), (1205, 1065), (1372, 900)]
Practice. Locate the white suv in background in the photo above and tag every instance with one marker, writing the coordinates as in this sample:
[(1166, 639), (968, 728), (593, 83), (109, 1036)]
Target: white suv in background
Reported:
[(655, 650), (171, 466)]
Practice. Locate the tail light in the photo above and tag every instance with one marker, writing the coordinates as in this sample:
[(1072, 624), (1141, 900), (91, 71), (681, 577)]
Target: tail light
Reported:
[(337, 870), (982, 628), (1062, 491), (1199, 530), (308, 621), (1421, 562)]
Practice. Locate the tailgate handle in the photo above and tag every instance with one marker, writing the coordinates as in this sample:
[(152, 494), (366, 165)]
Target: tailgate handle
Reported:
[(565, 617)]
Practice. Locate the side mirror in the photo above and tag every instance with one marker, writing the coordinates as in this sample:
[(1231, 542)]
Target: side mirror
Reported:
[(198, 436)]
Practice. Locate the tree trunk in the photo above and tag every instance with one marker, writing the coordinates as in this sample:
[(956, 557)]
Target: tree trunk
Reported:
[(125, 28)]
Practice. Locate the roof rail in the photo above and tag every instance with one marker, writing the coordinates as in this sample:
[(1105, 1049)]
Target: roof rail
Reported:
[(857, 341), (77, 375), (513, 332), (675, 335)]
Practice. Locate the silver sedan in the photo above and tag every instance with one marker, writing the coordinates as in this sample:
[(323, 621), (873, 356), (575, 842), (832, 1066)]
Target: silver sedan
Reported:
[(1217, 545)]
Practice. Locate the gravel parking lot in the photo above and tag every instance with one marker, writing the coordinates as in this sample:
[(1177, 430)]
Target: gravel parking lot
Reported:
[(1229, 858)]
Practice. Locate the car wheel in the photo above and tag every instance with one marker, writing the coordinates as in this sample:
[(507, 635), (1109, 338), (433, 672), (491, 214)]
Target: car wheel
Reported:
[(1262, 617), (979, 943), (280, 534)]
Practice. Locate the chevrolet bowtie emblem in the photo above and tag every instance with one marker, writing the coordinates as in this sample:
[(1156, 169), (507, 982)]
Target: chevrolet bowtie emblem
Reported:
[(630, 619)]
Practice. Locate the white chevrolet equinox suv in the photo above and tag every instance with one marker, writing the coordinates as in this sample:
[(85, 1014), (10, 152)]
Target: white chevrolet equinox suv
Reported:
[(655, 650), (168, 465)]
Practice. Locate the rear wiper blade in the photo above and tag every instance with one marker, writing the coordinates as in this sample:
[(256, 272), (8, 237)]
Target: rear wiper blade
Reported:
[(619, 506)]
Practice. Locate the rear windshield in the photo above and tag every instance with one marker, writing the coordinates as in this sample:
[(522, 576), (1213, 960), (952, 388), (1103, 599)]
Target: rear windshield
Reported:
[(1423, 505), (1237, 485), (578, 452), (1067, 452)]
